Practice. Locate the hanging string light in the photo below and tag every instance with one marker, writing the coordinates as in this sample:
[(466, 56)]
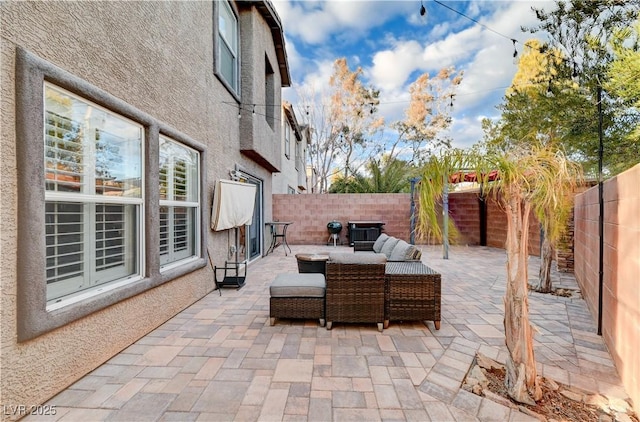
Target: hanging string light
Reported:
[(423, 10), (515, 51)]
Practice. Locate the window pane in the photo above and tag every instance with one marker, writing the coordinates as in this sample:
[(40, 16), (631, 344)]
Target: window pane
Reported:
[(70, 226), (227, 65), (164, 235), (116, 234), (90, 150), (178, 234), (227, 62), (110, 242), (118, 165), (63, 153), (90, 153), (64, 240), (179, 182), (179, 172), (228, 25)]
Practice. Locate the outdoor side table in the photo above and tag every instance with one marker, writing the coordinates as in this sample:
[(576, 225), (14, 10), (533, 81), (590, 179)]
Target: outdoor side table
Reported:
[(278, 231), (312, 263), (412, 293)]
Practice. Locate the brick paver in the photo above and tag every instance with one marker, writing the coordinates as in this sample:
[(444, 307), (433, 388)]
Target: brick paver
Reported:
[(221, 360)]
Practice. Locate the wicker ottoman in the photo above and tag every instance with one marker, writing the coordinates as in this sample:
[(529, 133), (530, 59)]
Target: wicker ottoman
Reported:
[(297, 296)]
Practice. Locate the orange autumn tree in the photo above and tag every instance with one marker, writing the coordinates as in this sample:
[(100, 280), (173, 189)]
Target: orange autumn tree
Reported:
[(428, 114), (347, 130)]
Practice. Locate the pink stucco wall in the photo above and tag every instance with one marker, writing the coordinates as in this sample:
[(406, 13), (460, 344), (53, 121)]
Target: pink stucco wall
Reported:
[(621, 275)]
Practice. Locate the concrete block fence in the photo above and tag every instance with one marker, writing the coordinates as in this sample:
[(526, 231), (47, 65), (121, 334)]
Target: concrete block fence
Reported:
[(621, 269), (311, 213)]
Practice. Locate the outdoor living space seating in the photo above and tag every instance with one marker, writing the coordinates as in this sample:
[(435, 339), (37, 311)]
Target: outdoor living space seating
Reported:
[(355, 289), (297, 296), (362, 288)]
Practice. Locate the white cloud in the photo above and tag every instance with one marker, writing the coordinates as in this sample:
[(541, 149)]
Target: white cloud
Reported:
[(391, 68), (393, 57), (314, 22)]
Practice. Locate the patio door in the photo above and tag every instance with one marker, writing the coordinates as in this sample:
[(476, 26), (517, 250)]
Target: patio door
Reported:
[(251, 236)]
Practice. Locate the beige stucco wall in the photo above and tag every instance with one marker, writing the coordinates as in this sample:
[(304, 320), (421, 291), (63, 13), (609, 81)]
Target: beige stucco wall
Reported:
[(256, 133), (158, 58), (289, 176)]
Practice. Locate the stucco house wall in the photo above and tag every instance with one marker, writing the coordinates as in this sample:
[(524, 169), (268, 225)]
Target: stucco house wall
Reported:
[(155, 61), (292, 175)]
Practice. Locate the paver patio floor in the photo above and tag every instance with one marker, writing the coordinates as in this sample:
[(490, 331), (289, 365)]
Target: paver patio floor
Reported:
[(220, 360)]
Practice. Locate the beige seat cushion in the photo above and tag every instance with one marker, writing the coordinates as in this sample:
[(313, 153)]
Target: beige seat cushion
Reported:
[(352, 258), (298, 285)]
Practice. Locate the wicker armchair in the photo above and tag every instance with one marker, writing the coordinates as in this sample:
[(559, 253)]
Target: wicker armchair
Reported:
[(355, 289), (413, 293)]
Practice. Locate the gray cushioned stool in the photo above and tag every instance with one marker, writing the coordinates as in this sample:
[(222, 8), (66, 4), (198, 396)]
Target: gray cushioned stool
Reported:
[(295, 295)]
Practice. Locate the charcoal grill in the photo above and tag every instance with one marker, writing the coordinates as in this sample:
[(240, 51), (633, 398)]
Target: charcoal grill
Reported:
[(334, 227)]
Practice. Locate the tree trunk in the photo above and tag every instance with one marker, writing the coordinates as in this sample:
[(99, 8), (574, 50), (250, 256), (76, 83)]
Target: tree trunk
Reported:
[(521, 381), (544, 282)]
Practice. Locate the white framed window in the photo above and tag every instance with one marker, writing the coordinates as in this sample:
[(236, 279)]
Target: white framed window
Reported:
[(299, 161), (94, 196), (287, 139), (179, 202), (82, 168), (228, 63)]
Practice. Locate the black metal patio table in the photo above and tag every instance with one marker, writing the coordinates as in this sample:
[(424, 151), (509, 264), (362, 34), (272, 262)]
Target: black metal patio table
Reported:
[(278, 231)]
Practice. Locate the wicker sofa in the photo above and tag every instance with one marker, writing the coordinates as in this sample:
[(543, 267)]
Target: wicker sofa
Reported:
[(412, 290), (392, 248), (355, 289)]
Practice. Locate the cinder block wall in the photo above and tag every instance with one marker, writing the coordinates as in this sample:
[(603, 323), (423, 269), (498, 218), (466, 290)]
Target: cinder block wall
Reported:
[(497, 227), (464, 208), (311, 213), (621, 275)]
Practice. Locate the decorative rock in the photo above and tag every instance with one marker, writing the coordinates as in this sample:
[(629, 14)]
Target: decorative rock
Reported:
[(622, 417), (498, 399), (531, 413), (599, 401), (551, 384), (619, 405), (487, 363), (571, 395)]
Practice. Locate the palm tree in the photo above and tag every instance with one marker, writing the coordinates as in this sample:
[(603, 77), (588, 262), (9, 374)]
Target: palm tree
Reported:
[(530, 179), (388, 175)]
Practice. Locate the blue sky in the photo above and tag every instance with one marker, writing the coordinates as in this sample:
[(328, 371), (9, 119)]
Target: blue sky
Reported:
[(394, 44)]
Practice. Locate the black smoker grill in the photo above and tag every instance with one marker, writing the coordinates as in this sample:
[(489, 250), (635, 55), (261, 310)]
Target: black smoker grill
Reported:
[(368, 230), (334, 227)]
